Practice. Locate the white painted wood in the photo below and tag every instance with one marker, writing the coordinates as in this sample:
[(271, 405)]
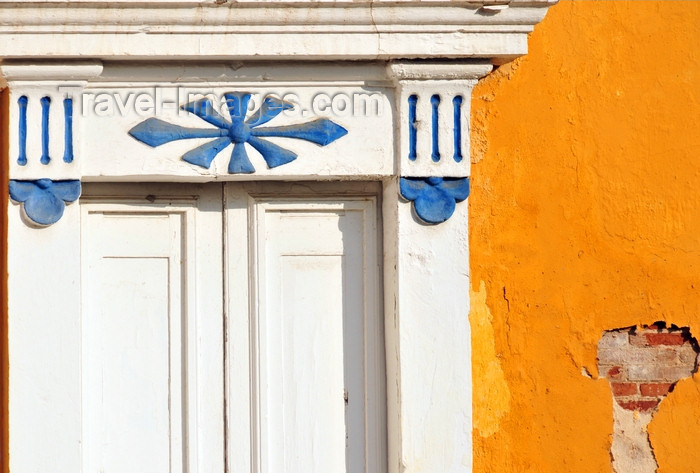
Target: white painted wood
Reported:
[(44, 344), (134, 337), (326, 30), (428, 340), (315, 333), (152, 343)]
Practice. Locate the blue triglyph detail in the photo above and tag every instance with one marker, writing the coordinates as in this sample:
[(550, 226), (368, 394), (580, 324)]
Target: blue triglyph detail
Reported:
[(68, 131), (22, 104), (412, 138), (239, 131), (45, 105), (44, 200), (457, 112), (434, 198), (435, 102)]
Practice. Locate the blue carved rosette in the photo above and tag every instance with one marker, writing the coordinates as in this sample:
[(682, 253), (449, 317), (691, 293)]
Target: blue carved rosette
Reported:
[(239, 132)]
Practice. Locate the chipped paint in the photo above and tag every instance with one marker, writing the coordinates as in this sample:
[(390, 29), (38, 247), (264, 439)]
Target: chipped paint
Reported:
[(490, 389), (584, 207)]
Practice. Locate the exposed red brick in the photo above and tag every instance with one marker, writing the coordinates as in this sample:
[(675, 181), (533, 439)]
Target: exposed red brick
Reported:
[(623, 389), (655, 389), (615, 372), (638, 340), (654, 339), (643, 406)]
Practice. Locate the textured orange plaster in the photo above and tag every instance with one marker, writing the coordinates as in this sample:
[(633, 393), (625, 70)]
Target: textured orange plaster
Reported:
[(585, 217), (491, 391), (674, 430)]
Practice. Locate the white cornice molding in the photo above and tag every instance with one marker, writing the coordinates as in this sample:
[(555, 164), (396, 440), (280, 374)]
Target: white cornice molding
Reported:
[(35, 71), (431, 70), (352, 30)]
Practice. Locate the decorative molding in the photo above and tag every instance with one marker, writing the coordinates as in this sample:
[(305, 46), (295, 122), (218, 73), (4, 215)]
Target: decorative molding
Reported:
[(43, 201), (434, 198), (45, 107), (223, 30), (22, 130), (433, 106), (239, 131), (44, 127), (68, 130)]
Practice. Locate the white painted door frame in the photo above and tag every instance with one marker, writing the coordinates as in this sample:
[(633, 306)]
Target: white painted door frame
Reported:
[(428, 400), (372, 91)]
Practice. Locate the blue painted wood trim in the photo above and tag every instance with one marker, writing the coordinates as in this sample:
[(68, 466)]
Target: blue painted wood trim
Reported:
[(45, 106), (412, 138), (22, 104), (457, 111), (435, 102), (68, 131)]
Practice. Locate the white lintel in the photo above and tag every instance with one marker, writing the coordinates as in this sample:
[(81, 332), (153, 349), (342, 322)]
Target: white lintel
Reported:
[(224, 30)]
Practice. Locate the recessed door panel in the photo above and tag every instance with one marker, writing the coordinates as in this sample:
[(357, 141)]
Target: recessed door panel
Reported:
[(147, 338), (134, 342), (317, 364)]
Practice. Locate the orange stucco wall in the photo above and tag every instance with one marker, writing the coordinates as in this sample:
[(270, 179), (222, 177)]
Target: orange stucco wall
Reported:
[(585, 216)]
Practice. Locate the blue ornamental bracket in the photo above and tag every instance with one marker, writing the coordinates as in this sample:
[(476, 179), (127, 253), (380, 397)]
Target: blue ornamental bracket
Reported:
[(239, 132), (434, 198), (44, 200)]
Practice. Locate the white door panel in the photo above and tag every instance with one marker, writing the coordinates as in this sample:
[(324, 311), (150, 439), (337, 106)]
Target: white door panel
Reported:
[(133, 343), (151, 330), (311, 338), (260, 313)]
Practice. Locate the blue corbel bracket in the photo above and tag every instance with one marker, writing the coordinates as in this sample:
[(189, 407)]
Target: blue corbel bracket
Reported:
[(239, 132), (434, 198), (44, 200)]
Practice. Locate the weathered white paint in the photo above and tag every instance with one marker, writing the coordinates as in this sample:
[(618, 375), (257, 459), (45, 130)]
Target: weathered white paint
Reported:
[(318, 304), (152, 339), (308, 330), (221, 30), (426, 277), (44, 343)]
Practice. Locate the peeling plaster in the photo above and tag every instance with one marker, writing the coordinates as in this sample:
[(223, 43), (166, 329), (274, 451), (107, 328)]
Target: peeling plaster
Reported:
[(490, 389)]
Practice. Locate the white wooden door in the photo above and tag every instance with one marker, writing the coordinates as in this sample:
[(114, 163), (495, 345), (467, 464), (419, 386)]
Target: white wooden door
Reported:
[(252, 310)]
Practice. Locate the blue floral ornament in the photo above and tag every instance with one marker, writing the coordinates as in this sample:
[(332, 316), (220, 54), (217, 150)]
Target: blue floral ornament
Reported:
[(434, 198), (44, 200), (239, 131)]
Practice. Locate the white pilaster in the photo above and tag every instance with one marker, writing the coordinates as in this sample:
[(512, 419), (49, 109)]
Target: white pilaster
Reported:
[(44, 275), (428, 340)]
